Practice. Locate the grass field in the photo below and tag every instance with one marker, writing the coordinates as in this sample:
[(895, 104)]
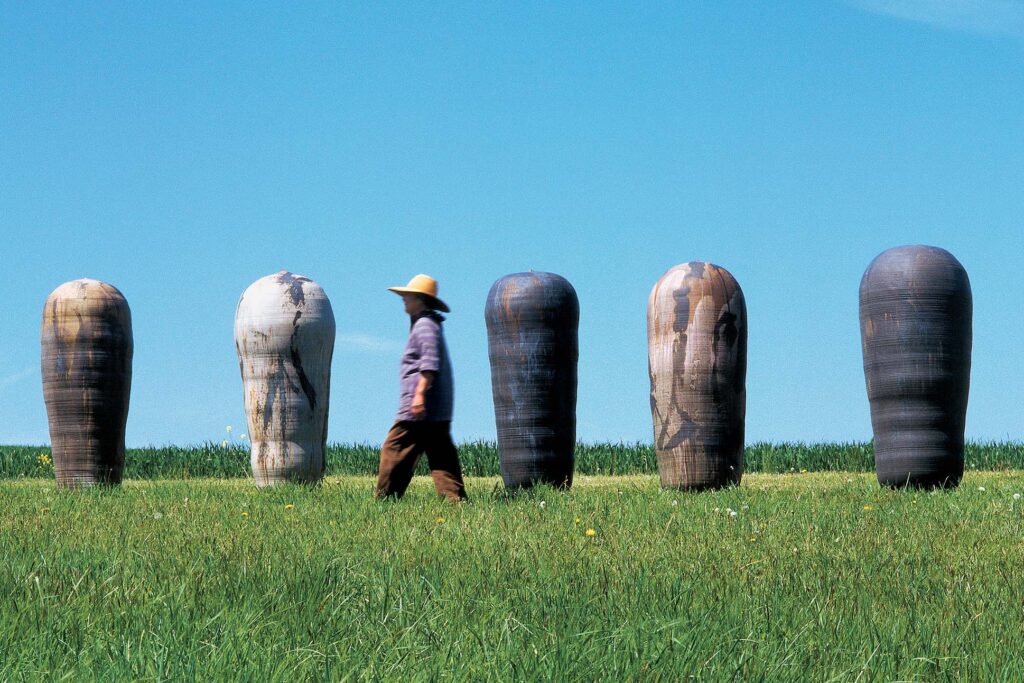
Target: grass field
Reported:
[(480, 459), (816, 576)]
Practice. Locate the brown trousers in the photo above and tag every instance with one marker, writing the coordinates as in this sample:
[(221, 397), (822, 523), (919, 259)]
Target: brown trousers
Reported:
[(405, 443)]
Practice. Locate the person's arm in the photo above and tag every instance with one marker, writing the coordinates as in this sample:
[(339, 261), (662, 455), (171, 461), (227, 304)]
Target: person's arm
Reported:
[(419, 399)]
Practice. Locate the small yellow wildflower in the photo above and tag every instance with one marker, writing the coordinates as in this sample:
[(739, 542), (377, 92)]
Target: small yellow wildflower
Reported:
[(578, 520), (590, 532), (228, 428), (439, 520), (243, 437), (289, 506), (244, 513), (868, 507)]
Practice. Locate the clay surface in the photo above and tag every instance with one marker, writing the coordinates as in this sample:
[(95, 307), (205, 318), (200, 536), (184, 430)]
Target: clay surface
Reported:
[(87, 376), (697, 358), (533, 345), (284, 336), (915, 322)]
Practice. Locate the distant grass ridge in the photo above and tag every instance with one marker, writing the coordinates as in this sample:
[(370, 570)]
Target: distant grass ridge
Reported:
[(480, 459)]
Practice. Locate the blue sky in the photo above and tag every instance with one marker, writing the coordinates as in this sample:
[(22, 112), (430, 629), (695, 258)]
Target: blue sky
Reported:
[(181, 151)]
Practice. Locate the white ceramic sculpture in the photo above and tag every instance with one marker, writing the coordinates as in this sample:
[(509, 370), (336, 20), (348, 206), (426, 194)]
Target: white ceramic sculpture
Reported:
[(284, 335)]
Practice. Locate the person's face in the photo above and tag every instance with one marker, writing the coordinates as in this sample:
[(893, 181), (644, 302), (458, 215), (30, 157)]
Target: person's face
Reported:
[(413, 304)]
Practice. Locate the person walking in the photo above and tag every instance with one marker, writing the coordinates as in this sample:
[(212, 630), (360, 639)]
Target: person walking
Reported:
[(424, 419)]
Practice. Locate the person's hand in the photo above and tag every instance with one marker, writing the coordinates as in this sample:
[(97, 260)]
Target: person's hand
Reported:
[(418, 407)]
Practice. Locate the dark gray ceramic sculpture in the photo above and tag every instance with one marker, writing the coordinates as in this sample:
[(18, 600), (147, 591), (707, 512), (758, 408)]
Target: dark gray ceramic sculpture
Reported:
[(915, 322), (532, 334)]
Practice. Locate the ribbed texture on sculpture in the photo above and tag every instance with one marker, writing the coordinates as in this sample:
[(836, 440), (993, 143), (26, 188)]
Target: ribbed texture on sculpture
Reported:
[(284, 335), (915, 323), (697, 355), (532, 335), (87, 377)]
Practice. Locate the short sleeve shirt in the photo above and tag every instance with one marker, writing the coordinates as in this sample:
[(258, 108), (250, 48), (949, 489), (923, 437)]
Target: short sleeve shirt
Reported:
[(426, 351)]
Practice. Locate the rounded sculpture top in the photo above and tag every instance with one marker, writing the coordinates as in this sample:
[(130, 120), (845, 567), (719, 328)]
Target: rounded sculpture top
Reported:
[(80, 300), (86, 288), (86, 294), (284, 300), (535, 292), (914, 265), (283, 289), (688, 284), (695, 270)]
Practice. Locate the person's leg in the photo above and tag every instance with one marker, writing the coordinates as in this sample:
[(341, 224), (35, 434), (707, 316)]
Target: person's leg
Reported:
[(443, 458), (398, 455)]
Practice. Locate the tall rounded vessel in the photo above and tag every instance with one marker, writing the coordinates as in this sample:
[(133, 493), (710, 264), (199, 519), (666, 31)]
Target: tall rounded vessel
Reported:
[(915, 325), (284, 335), (533, 344), (697, 358), (87, 377)]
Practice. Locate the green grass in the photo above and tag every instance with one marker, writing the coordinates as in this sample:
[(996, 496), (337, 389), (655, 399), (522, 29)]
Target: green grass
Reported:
[(480, 459), (821, 576)]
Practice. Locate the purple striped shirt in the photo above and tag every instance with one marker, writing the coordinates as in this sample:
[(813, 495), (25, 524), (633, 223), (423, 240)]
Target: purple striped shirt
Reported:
[(426, 351)]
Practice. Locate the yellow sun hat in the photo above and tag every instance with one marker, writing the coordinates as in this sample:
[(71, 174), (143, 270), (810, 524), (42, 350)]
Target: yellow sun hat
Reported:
[(425, 286)]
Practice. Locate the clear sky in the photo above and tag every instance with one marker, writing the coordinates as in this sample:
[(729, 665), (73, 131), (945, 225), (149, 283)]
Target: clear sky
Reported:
[(180, 151)]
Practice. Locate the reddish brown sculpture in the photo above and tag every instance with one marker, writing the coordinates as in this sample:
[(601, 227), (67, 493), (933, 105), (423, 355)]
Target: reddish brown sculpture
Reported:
[(87, 374), (697, 344)]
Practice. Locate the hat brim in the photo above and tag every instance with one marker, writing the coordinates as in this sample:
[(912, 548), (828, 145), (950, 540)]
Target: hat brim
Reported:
[(432, 301)]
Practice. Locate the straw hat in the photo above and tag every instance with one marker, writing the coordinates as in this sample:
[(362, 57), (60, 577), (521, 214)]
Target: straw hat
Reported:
[(425, 286)]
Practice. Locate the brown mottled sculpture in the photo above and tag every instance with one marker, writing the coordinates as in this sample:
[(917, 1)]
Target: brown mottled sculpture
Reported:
[(87, 376), (697, 354), (915, 323), (284, 335)]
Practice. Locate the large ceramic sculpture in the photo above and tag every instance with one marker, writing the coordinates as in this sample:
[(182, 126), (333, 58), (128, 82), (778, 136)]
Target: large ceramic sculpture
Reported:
[(532, 335), (284, 335), (87, 377), (697, 355), (915, 323)]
